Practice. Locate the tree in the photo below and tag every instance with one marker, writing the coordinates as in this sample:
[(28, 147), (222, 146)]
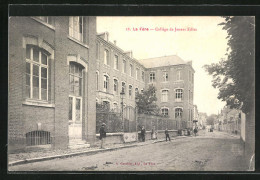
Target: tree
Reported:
[(146, 101), (234, 76), (211, 119)]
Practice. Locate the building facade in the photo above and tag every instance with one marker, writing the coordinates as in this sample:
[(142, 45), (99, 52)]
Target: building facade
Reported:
[(173, 79), (51, 60), (59, 68), (117, 72)]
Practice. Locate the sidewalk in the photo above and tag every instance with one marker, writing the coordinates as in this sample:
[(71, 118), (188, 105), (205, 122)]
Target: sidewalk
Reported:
[(29, 157)]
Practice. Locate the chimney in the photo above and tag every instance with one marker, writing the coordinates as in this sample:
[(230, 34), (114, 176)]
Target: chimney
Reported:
[(104, 35), (107, 36), (115, 42), (129, 53)]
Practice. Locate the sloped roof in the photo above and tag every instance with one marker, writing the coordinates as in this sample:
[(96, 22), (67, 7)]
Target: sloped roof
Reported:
[(162, 61)]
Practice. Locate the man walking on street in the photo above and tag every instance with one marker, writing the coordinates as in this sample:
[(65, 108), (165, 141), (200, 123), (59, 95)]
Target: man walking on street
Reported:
[(143, 134), (167, 134), (102, 135)]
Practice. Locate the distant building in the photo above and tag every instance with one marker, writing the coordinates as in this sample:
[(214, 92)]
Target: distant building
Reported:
[(230, 120), (202, 119), (174, 80)]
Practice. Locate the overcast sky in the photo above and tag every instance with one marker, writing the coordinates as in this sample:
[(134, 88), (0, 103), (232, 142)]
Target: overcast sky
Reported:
[(206, 45)]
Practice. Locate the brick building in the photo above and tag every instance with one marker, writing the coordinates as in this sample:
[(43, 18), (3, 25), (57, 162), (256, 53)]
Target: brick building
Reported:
[(59, 68), (117, 71), (174, 81), (50, 62)]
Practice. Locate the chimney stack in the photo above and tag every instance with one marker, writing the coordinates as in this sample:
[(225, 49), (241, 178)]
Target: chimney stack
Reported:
[(114, 42)]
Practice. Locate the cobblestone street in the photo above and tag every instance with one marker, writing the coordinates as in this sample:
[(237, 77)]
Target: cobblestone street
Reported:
[(209, 151)]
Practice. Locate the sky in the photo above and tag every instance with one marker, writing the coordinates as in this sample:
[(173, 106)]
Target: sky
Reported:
[(205, 43)]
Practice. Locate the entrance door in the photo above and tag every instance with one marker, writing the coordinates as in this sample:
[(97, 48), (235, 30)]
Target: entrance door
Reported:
[(75, 117)]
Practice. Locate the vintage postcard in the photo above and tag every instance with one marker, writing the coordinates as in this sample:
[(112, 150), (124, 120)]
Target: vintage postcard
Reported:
[(131, 93)]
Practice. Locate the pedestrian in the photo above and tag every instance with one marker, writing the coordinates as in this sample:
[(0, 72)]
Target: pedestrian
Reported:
[(195, 131), (102, 136), (167, 134), (143, 134), (152, 134)]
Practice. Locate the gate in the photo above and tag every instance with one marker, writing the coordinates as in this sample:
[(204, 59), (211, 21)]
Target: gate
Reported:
[(129, 119)]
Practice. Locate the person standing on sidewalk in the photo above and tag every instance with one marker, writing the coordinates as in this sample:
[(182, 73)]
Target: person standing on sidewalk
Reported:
[(195, 131), (167, 134), (102, 136), (143, 134)]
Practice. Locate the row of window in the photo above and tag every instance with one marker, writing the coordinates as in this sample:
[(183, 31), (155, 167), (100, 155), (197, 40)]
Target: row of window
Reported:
[(165, 76), (178, 112), (164, 110), (115, 86), (164, 97), (37, 75), (116, 66), (76, 24), (178, 95)]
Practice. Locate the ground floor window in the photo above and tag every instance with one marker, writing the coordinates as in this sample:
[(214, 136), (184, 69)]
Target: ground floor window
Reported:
[(178, 112), (165, 111)]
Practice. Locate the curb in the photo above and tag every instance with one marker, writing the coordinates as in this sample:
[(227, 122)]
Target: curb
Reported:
[(26, 161)]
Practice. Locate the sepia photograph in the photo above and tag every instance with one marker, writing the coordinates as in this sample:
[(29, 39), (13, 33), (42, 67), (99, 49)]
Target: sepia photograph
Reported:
[(131, 93)]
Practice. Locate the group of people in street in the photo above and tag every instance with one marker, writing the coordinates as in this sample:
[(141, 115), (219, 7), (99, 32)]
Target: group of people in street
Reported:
[(153, 134), (102, 133)]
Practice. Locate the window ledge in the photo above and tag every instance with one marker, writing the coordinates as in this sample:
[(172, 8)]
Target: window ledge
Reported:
[(38, 103), (79, 42), (44, 23), (165, 81)]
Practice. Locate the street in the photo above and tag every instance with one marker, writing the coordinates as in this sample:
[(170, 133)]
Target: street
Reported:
[(209, 151)]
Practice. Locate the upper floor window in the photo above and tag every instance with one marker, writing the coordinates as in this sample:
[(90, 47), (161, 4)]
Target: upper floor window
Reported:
[(124, 66), (165, 111), (192, 78), (178, 75), (165, 95), (46, 19), (152, 77), (76, 27), (137, 74), (106, 57), (142, 76), (115, 86), (131, 70), (130, 91), (165, 76), (116, 62), (106, 83), (75, 74), (36, 73), (178, 112), (178, 95), (123, 87)]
